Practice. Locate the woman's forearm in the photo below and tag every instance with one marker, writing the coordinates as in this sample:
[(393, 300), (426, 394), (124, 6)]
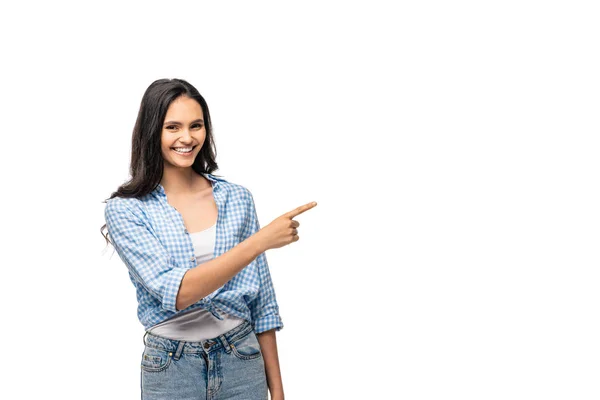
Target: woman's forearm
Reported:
[(268, 345), (202, 280)]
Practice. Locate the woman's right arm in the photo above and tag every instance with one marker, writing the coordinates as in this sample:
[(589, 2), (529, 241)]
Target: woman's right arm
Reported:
[(198, 283), (177, 287)]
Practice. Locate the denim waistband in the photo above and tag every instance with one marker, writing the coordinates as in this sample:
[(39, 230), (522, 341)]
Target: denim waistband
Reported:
[(204, 346)]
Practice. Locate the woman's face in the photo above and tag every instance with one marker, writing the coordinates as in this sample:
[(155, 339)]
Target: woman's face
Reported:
[(183, 129)]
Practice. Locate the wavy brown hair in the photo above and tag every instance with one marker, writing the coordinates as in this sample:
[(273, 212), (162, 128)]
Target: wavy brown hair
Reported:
[(147, 162)]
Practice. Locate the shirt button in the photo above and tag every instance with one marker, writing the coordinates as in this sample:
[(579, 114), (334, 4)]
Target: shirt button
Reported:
[(192, 258)]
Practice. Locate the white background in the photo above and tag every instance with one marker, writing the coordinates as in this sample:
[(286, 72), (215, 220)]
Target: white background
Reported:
[(452, 148)]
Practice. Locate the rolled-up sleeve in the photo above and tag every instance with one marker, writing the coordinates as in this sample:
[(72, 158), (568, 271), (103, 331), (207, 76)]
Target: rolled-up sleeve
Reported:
[(143, 254), (264, 308)]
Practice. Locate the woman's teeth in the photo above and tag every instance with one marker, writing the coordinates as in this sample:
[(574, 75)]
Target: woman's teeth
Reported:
[(183, 150)]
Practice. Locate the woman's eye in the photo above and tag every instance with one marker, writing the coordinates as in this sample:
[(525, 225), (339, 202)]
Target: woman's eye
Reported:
[(171, 127)]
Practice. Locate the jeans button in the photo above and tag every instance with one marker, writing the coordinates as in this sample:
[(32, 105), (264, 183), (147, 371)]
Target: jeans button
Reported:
[(206, 345)]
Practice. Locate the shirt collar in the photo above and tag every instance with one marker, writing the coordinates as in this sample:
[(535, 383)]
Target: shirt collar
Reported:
[(161, 190)]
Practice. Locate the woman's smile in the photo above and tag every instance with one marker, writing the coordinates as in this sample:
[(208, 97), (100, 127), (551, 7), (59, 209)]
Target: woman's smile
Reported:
[(184, 151)]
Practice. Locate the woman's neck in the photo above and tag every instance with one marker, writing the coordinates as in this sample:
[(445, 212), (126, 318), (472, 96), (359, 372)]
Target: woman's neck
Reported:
[(182, 181)]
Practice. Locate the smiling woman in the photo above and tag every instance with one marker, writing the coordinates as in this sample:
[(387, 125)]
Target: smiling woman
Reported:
[(180, 136), (196, 255)]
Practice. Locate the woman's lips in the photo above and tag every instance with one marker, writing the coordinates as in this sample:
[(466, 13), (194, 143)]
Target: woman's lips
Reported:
[(185, 154)]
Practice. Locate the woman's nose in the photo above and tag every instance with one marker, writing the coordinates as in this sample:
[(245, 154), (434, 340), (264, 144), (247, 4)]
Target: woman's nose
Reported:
[(185, 136)]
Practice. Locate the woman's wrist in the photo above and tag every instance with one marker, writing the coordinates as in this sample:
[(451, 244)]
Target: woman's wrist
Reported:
[(254, 242)]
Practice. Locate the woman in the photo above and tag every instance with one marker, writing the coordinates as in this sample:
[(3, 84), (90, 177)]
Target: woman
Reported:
[(196, 256)]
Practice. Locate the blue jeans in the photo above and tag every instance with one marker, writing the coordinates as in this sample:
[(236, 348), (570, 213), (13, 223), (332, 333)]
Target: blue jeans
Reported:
[(229, 366)]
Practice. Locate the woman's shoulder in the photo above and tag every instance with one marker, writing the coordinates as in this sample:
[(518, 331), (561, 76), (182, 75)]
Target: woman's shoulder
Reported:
[(124, 204), (119, 201), (235, 189)]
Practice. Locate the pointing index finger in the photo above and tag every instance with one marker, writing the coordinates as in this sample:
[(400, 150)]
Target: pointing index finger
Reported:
[(301, 209)]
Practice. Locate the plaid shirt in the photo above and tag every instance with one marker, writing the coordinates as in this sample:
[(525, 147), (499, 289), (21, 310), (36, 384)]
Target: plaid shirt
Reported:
[(150, 237)]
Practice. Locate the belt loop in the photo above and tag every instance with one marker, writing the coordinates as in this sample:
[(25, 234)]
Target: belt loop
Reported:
[(226, 344), (179, 350), (144, 338)]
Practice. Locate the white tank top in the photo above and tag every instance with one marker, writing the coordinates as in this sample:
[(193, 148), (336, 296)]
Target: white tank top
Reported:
[(199, 323)]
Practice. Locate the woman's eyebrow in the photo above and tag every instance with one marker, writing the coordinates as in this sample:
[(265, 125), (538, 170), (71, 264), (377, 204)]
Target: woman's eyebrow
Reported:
[(179, 123)]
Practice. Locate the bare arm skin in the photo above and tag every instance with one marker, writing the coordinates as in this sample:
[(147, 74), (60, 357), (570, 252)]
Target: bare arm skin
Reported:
[(268, 345), (198, 283)]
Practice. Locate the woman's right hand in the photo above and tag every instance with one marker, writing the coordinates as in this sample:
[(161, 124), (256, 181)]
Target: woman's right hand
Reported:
[(282, 230)]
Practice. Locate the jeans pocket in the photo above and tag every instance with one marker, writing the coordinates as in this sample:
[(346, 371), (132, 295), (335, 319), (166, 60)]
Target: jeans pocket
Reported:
[(247, 347), (155, 360)]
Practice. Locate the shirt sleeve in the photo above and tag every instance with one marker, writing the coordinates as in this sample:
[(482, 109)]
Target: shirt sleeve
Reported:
[(146, 258), (264, 308)]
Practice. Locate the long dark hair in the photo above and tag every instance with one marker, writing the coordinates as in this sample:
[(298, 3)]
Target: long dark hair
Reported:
[(147, 162)]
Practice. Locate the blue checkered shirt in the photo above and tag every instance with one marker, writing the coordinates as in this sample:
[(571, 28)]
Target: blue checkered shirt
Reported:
[(150, 237)]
